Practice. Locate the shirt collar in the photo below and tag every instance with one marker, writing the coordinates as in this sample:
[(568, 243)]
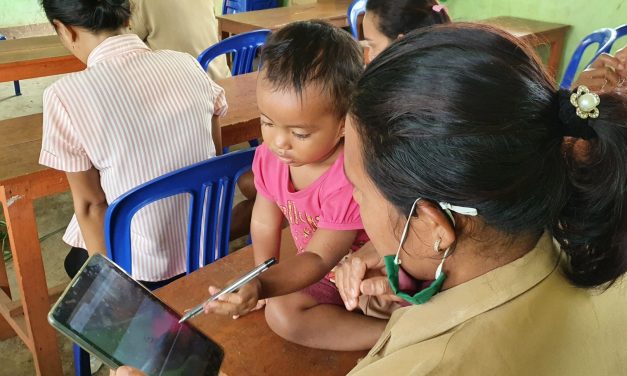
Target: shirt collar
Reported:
[(452, 307), (116, 46)]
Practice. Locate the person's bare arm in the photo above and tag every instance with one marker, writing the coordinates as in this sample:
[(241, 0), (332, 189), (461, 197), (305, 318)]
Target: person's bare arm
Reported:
[(265, 229), (324, 251), (90, 206), (216, 134)]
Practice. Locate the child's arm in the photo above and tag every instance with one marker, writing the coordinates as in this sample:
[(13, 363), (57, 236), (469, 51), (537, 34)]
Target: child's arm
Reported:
[(265, 229), (323, 252)]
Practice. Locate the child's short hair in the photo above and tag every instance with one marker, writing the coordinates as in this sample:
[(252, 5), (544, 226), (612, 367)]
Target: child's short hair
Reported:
[(316, 52)]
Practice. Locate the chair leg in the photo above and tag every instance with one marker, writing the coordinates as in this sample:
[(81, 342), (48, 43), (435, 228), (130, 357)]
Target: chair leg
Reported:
[(18, 91), (81, 362)]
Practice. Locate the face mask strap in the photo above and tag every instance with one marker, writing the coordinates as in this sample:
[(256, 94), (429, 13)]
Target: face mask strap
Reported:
[(438, 271), (397, 260)]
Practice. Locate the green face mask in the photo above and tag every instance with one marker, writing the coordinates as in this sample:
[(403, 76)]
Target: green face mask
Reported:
[(422, 296), (393, 262)]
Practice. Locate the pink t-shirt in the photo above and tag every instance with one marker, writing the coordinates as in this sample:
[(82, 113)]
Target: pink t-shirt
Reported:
[(326, 203)]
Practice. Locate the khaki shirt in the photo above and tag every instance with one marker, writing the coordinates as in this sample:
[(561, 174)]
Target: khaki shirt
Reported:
[(180, 25), (523, 318)]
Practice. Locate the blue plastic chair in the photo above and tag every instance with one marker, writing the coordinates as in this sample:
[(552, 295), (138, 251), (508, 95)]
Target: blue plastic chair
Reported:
[(243, 48), (211, 185), (603, 37), (16, 84), (356, 8), (621, 31), (239, 6)]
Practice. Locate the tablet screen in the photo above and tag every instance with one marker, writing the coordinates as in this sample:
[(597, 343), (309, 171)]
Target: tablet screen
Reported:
[(113, 313)]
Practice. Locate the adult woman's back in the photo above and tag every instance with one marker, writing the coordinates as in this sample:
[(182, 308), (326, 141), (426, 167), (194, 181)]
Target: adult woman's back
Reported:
[(182, 25), (131, 116)]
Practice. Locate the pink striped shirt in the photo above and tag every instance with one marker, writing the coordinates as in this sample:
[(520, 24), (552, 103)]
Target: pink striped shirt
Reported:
[(134, 114)]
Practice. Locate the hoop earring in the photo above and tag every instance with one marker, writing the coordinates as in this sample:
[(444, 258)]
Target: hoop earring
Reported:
[(436, 245)]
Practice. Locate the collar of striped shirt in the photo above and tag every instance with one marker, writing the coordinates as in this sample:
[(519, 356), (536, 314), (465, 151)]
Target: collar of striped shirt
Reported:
[(115, 46)]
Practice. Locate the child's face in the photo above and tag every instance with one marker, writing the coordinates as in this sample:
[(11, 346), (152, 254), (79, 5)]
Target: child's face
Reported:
[(297, 130)]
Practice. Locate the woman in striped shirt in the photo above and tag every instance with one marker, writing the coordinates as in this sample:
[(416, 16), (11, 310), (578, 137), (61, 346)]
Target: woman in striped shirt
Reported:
[(134, 114)]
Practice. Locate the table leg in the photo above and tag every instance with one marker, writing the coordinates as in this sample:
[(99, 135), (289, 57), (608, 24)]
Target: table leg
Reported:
[(5, 329), (31, 278)]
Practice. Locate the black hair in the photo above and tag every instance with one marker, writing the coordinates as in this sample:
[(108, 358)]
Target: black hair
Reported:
[(94, 15), (405, 15), (315, 52), (466, 114)]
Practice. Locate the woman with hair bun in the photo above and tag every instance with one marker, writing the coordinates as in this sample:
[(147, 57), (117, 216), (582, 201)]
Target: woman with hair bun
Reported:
[(132, 115), (469, 166)]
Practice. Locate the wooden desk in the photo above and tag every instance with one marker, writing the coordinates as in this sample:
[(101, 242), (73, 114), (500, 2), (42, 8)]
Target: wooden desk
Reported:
[(251, 348), (35, 57), (536, 33), (23, 180), (275, 18)]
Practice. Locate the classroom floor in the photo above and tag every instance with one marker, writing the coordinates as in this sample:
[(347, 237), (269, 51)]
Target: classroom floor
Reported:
[(53, 214)]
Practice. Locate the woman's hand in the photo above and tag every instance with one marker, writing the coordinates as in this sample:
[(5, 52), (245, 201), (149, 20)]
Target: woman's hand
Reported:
[(128, 371), (362, 273), (606, 74), (237, 304)]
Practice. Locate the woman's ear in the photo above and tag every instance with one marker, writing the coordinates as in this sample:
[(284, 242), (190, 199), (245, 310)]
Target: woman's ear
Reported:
[(65, 32), (438, 223)]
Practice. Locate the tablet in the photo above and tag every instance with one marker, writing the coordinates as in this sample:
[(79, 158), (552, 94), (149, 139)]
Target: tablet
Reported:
[(114, 317)]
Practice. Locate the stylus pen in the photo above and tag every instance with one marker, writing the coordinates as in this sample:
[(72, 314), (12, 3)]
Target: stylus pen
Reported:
[(230, 288)]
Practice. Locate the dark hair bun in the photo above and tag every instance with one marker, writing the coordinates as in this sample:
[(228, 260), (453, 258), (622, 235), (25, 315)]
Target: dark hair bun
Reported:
[(95, 15)]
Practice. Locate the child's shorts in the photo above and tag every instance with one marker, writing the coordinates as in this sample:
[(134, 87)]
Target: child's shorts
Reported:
[(325, 292)]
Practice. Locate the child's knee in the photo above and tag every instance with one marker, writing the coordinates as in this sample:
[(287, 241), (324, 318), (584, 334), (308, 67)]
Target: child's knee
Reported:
[(284, 319)]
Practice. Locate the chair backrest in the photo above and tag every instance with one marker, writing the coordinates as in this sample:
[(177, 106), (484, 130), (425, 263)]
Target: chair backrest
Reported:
[(211, 185), (603, 37), (2, 37), (243, 48), (238, 6), (356, 8), (621, 31)]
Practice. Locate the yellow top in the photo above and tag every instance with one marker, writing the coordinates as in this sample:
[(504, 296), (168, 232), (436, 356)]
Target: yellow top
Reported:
[(523, 318), (182, 25)]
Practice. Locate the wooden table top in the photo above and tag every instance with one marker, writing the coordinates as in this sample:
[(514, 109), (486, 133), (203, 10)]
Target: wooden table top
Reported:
[(250, 346), (522, 27), (35, 57), (20, 143), (331, 11)]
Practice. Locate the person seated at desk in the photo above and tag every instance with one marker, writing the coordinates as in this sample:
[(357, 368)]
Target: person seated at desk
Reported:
[(384, 22), (511, 234), (182, 25), (134, 114), (606, 74), (303, 90)]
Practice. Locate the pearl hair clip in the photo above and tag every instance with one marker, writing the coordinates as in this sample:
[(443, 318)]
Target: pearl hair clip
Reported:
[(585, 102)]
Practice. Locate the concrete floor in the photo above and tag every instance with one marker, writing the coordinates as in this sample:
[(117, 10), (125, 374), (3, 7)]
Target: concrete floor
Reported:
[(53, 214)]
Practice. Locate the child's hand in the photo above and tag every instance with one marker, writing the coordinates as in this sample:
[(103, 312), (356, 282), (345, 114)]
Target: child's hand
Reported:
[(235, 304)]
